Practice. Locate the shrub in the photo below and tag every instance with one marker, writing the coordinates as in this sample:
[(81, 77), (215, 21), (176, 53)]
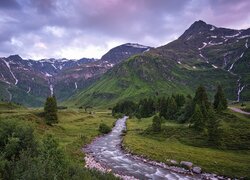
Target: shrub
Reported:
[(156, 125), (104, 129)]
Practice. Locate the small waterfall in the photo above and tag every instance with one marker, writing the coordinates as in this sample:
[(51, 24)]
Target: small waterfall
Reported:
[(240, 89), (51, 89)]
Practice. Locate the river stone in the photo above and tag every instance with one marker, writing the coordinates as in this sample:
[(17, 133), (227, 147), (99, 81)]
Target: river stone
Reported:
[(186, 164), (196, 170), (173, 162)]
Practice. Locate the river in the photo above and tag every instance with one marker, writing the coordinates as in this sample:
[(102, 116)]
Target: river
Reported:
[(107, 151)]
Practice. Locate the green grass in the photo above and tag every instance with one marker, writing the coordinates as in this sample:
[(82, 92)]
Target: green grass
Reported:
[(182, 144), (9, 106), (75, 129)]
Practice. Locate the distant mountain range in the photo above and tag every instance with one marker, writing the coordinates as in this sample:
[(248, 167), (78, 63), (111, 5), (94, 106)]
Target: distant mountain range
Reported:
[(203, 54), (29, 82)]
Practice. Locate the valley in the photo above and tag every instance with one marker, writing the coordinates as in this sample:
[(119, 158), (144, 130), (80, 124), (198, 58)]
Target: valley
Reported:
[(177, 111), (77, 130)]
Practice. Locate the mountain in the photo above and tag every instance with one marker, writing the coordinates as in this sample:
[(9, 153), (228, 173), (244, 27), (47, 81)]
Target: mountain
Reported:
[(203, 54), (29, 82), (122, 52)]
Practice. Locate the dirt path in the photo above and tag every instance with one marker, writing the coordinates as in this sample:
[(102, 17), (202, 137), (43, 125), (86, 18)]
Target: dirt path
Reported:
[(239, 110)]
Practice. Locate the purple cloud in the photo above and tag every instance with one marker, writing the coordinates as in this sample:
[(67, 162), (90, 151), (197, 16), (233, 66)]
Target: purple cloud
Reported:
[(88, 28)]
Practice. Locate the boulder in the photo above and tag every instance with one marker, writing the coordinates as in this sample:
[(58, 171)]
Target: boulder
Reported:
[(196, 170), (186, 164)]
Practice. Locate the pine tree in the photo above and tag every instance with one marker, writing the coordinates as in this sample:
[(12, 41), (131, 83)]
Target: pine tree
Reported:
[(162, 107), (172, 108), (201, 99), (188, 109), (179, 99), (54, 102), (156, 125), (213, 128), (50, 111), (197, 120), (220, 101)]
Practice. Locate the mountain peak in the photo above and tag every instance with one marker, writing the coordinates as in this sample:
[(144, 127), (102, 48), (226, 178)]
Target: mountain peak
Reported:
[(197, 27), (15, 57), (199, 23)]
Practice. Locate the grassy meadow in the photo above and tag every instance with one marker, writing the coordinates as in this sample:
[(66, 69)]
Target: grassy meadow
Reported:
[(75, 129), (177, 142)]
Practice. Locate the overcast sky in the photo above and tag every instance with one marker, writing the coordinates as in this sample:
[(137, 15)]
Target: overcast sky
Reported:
[(89, 28)]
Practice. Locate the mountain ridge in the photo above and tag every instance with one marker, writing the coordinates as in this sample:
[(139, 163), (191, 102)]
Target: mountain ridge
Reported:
[(29, 81), (196, 57)]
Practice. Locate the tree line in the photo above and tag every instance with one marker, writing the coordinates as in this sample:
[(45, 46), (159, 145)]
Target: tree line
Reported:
[(197, 111)]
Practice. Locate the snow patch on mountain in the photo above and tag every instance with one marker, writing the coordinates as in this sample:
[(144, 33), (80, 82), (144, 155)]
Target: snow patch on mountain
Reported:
[(189, 37), (201, 55), (54, 66), (246, 43), (212, 28), (235, 35), (47, 74), (8, 65), (243, 37), (231, 67), (241, 55), (204, 45), (214, 66), (215, 44), (28, 90), (144, 51), (75, 85), (136, 45)]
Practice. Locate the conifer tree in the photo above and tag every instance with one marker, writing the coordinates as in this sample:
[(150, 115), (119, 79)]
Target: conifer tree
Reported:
[(201, 99), (50, 111), (220, 101), (172, 108), (188, 109), (213, 128), (156, 125), (197, 120), (179, 99)]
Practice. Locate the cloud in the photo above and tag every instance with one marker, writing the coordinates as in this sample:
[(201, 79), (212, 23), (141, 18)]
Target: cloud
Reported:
[(89, 28), (9, 4)]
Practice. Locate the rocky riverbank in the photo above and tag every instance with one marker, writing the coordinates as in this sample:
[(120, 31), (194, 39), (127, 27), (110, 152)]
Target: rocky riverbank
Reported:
[(107, 154)]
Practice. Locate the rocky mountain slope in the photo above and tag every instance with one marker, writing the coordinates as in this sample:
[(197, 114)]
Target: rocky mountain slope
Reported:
[(203, 54), (29, 82)]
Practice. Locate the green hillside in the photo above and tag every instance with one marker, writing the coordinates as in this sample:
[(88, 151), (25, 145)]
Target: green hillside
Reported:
[(198, 57), (152, 75)]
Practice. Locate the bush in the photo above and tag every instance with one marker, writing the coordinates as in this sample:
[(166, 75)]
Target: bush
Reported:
[(156, 125), (104, 129), (118, 115)]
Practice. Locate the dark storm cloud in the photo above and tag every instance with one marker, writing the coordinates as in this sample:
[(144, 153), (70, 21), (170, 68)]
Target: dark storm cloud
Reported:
[(75, 28), (9, 4)]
